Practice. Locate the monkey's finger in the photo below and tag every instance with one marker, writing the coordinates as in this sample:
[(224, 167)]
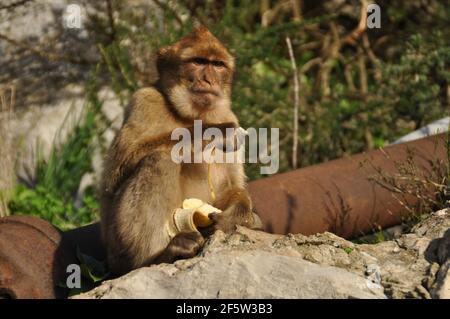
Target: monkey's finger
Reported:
[(214, 217), (186, 244), (208, 231), (196, 237), (189, 236)]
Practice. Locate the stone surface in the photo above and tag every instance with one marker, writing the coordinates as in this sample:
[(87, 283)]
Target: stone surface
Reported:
[(36, 130), (236, 270), (433, 128), (247, 274), (254, 264)]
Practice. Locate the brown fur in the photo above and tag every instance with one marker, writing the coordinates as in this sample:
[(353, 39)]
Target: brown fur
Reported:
[(142, 186)]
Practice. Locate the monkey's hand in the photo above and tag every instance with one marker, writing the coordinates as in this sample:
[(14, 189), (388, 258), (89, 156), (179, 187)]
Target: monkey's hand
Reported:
[(232, 143), (236, 207), (184, 245), (229, 219)]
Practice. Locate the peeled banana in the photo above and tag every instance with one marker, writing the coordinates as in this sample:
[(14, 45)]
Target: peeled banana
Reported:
[(194, 213)]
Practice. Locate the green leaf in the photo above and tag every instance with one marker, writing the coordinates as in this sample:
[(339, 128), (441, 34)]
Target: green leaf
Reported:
[(91, 268)]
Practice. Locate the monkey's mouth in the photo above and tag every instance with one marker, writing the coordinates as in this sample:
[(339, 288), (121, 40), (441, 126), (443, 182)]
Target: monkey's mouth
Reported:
[(205, 92)]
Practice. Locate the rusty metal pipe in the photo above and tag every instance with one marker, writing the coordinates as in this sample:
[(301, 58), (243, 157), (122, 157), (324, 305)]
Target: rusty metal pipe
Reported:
[(34, 256), (337, 196), (27, 258)]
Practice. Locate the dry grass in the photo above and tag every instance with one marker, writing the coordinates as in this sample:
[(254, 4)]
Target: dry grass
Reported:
[(419, 190), (7, 155)]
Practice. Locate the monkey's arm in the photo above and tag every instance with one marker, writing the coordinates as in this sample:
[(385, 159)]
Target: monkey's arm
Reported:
[(147, 126), (234, 200), (136, 227)]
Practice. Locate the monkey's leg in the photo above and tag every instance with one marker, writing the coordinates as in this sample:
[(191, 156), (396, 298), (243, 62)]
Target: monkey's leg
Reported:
[(182, 246)]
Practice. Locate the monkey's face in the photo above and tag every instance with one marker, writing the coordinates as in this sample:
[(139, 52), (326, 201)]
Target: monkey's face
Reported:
[(196, 73), (207, 79)]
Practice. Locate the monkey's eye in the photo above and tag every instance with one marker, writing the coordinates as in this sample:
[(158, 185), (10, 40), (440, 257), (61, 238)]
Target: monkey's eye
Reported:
[(199, 61), (219, 64)]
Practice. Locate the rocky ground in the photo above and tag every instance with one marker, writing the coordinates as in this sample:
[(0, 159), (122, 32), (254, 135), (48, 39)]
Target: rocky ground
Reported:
[(254, 264)]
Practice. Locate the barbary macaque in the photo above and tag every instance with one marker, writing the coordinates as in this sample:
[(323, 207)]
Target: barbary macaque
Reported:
[(142, 185)]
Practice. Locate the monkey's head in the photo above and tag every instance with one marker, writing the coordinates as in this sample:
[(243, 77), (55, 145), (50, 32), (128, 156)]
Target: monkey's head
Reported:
[(195, 73)]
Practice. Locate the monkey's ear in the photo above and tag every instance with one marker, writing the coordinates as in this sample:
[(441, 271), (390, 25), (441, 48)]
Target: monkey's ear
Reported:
[(201, 30), (162, 51), (164, 56)]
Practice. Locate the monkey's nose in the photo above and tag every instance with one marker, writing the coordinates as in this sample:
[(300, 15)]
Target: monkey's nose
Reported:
[(209, 76), (208, 80)]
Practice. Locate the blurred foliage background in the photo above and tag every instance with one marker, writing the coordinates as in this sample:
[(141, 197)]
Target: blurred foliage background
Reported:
[(359, 88)]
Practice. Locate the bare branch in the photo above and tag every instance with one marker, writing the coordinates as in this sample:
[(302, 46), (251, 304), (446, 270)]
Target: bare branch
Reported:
[(361, 64), (165, 7), (112, 26), (270, 15), (308, 65), (330, 53), (361, 28), (14, 5), (296, 102), (43, 53), (297, 9), (7, 179), (375, 61)]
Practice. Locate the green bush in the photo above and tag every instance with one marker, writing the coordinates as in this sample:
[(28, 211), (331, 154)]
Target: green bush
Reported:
[(57, 180)]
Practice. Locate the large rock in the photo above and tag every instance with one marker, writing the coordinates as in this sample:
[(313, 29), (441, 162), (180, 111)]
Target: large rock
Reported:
[(254, 264), (251, 274)]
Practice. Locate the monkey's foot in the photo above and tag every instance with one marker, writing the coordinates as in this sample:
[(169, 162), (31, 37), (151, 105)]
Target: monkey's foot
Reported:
[(184, 245)]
